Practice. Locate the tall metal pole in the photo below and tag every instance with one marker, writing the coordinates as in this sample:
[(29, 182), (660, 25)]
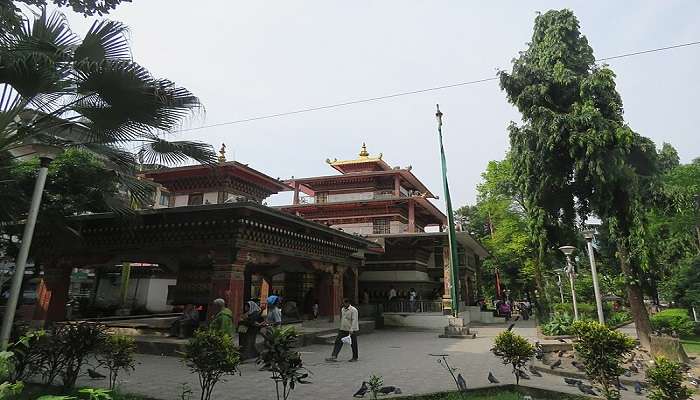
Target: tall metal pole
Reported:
[(451, 235), (561, 291), (570, 271), (596, 287), (21, 263)]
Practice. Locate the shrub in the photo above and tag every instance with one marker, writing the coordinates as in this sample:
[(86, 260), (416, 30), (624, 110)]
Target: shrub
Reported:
[(282, 360), (77, 342), (618, 318), (375, 383), (26, 356), (674, 321), (602, 351), (212, 355), (514, 350), (585, 310), (559, 324), (8, 389), (117, 354), (666, 381)]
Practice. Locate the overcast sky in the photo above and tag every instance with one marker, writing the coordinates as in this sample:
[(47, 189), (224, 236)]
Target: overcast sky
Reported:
[(249, 58)]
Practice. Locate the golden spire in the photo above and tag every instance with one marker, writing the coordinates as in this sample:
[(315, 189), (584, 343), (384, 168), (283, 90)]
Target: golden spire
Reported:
[(222, 153), (363, 152)]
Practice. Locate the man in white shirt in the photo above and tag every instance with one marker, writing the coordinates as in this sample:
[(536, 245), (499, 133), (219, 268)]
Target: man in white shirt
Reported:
[(349, 326), (392, 293)]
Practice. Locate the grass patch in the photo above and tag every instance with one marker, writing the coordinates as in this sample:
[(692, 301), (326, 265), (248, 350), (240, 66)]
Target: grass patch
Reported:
[(691, 344), (34, 391), (509, 392)]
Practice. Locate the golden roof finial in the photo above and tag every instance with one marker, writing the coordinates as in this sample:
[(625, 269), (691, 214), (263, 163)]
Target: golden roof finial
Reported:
[(222, 153), (363, 152)]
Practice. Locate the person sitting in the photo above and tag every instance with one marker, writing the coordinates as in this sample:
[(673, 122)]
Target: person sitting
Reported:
[(185, 324), (504, 310), (274, 314), (248, 329), (222, 320)]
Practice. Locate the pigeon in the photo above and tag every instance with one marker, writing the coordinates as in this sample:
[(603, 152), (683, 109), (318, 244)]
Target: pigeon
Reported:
[(361, 391), (578, 365), (539, 354), (586, 389), (627, 373), (620, 386), (387, 390), (510, 328), (634, 369), (561, 340), (534, 371), (397, 391), (555, 364), (572, 382), (631, 358), (637, 387), (461, 383), (523, 375), (492, 378), (561, 353), (94, 374)]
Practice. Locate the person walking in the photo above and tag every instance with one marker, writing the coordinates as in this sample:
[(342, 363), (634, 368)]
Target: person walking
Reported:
[(248, 329), (223, 318), (349, 326), (392, 293)]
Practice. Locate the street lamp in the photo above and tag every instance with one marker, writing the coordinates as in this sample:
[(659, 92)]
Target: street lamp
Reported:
[(589, 234), (568, 250), (46, 154), (561, 291)]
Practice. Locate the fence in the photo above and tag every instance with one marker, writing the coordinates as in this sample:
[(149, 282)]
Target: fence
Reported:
[(417, 306)]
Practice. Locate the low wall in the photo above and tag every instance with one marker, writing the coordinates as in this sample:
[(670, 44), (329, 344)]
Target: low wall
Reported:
[(431, 321)]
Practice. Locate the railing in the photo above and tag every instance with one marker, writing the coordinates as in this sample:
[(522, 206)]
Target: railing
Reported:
[(383, 194), (417, 306)]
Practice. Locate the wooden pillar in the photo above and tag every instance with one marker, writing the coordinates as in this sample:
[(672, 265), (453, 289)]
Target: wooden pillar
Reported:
[(356, 276), (296, 193), (411, 216), (336, 295), (397, 185), (330, 294), (265, 285), (228, 281), (447, 280), (52, 295)]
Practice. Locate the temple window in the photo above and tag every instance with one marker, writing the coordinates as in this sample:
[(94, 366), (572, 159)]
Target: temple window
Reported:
[(321, 197), (164, 199), (381, 226), (195, 199)]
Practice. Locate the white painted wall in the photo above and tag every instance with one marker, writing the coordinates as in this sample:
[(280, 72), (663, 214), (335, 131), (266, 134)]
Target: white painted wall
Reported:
[(350, 196), (157, 295), (397, 227), (151, 293), (212, 197), (364, 228), (181, 200)]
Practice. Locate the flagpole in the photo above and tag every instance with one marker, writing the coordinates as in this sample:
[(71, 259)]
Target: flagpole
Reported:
[(451, 235)]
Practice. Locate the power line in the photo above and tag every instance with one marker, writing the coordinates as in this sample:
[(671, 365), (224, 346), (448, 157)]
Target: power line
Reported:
[(412, 92)]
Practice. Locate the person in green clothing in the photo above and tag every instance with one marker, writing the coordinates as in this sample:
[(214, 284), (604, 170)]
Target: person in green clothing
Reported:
[(223, 318)]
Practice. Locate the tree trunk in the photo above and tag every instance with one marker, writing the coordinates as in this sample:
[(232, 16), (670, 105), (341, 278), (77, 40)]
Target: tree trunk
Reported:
[(542, 303), (635, 298)]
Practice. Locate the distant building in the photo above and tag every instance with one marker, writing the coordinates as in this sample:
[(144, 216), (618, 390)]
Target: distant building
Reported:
[(392, 207)]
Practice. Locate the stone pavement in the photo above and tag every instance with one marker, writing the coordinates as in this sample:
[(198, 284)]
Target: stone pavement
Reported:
[(402, 357)]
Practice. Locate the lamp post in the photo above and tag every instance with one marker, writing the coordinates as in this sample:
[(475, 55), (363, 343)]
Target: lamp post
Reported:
[(561, 291), (46, 154), (568, 250), (589, 235)]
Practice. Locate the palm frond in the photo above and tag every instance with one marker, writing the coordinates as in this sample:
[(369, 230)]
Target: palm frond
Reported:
[(105, 40), (161, 151), (114, 158)]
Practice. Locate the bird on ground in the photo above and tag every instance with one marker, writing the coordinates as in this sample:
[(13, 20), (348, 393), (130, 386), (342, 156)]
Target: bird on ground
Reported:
[(94, 374), (492, 378), (397, 391), (561, 340), (387, 390), (523, 375), (361, 391), (561, 353), (620, 386), (461, 383), (555, 364), (572, 382), (633, 368), (631, 358), (510, 328), (586, 389), (637, 387), (534, 371), (539, 354), (627, 373), (578, 365)]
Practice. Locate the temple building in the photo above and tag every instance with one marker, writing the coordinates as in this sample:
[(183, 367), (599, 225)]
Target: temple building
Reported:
[(210, 234), (391, 207)]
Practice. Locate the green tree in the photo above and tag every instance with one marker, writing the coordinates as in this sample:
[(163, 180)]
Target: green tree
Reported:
[(212, 355), (666, 380), (575, 154), (279, 357), (513, 350), (90, 94)]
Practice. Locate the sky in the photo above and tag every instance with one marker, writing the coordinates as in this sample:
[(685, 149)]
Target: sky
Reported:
[(249, 58)]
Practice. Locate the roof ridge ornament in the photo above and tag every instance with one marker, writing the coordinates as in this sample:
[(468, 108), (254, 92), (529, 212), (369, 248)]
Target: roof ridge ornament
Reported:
[(363, 151), (222, 153)]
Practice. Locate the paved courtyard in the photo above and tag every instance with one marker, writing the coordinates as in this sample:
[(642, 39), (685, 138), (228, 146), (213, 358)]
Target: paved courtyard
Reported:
[(401, 357)]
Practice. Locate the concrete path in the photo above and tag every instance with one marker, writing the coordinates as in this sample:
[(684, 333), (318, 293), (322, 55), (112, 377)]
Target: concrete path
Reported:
[(401, 357)]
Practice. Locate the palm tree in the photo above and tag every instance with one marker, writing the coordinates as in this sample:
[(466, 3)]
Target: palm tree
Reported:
[(90, 94)]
